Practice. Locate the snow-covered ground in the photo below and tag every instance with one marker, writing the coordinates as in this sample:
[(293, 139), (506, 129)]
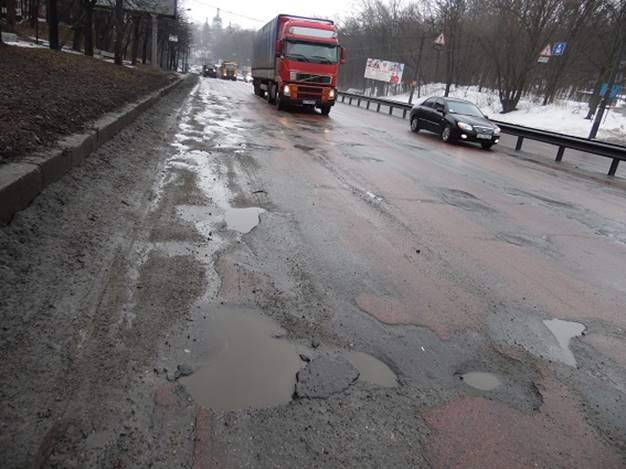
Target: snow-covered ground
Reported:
[(563, 116)]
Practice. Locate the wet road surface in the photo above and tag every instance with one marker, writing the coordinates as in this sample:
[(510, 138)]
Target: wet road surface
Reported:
[(292, 290)]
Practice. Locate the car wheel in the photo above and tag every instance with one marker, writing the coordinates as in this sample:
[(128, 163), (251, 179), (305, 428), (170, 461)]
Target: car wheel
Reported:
[(415, 126), (446, 134), (486, 145)]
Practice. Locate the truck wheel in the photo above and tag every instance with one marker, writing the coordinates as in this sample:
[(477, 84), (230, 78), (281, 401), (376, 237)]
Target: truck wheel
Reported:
[(325, 110), (271, 95), (280, 103)]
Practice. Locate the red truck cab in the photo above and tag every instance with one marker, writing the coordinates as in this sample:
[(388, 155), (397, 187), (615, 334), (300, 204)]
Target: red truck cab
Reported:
[(296, 62)]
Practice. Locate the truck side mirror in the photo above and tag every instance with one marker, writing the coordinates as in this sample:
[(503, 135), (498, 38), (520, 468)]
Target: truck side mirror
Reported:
[(342, 52), (278, 48)]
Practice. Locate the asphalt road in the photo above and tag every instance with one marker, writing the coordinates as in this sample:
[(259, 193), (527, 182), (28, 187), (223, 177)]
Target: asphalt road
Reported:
[(226, 285)]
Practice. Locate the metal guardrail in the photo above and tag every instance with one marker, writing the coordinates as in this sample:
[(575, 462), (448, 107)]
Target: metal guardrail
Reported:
[(608, 150)]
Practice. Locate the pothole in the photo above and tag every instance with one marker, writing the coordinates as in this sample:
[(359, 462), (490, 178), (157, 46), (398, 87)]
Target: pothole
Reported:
[(243, 219), (248, 367), (563, 332), (372, 370), (481, 380)]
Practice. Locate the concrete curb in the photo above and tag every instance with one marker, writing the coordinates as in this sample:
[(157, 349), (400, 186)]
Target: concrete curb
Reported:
[(21, 182)]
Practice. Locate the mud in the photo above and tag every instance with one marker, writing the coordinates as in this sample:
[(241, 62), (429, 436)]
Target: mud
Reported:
[(371, 370), (243, 220), (245, 366), (481, 380)]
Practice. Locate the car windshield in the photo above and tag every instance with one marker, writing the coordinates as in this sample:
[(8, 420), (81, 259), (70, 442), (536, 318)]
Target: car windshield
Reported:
[(310, 52), (466, 109)]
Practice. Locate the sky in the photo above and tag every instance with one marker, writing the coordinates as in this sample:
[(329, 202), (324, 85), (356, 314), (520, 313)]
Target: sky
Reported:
[(252, 14)]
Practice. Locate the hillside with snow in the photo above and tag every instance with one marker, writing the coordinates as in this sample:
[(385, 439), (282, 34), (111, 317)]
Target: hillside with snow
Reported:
[(564, 116)]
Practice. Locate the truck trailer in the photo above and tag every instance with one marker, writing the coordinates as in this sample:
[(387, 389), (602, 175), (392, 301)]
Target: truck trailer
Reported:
[(295, 61)]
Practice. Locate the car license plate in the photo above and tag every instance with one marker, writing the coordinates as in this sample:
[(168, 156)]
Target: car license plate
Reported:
[(485, 136), (308, 101)]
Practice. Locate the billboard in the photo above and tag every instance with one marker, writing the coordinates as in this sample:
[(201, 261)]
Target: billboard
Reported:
[(159, 7), (382, 70)]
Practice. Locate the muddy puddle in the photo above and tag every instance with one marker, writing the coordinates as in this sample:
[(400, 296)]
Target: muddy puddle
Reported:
[(243, 219), (246, 366), (563, 332), (372, 370), (481, 380)]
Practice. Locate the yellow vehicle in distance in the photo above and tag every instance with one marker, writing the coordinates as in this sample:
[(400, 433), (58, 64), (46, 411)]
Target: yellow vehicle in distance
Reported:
[(228, 71)]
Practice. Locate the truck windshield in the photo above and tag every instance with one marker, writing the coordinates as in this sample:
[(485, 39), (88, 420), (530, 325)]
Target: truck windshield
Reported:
[(310, 52)]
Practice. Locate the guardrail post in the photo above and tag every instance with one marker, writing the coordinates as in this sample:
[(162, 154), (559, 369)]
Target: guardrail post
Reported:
[(559, 154), (518, 145), (350, 101), (378, 107), (358, 103), (368, 105), (343, 98), (390, 110), (404, 113), (613, 168)]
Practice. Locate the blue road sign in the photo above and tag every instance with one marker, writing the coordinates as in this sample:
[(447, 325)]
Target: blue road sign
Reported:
[(559, 48), (614, 90)]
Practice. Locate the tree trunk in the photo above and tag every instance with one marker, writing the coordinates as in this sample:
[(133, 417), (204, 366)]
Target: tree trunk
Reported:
[(10, 5), (119, 33), (88, 28), (53, 25), (144, 53), (136, 35), (595, 98), (78, 33)]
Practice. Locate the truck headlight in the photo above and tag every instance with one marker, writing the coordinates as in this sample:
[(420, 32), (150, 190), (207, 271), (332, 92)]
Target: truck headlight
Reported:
[(497, 131), (464, 126), (286, 90), (331, 94)]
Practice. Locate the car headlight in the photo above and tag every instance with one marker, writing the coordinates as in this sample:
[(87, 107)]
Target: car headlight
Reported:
[(497, 131), (286, 90), (464, 126), (331, 93)]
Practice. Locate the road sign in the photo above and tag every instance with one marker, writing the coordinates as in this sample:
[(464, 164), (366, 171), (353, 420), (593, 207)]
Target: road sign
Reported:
[(615, 89), (543, 59), (546, 51), (559, 48), (441, 40)]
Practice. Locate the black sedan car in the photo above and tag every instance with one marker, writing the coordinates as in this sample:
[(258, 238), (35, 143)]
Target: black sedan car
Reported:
[(209, 71), (454, 119)]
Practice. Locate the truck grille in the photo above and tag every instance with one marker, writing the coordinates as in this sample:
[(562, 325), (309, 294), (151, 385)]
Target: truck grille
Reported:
[(324, 79), (309, 92)]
